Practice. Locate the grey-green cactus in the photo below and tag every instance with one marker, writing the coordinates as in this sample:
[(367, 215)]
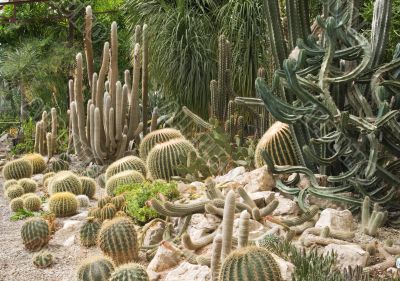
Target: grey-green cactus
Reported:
[(244, 222), (65, 181), (123, 178), (16, 204), (37, 161), (227, 224), (95, 269), (306, 216), (35, 233), (216, 257), (88, 186), (89, 232), (118, 201), (14, 191), (108, 212), (28, 185), (17, 169), (156, 137), (58, 165), (370, 222), (63, 204), (32, 203), (42, 259), (9, 183), (94, 212), (83, 200), (124, 164), (130, 272)]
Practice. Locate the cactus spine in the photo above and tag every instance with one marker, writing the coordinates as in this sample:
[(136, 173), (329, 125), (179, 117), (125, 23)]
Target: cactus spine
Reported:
[(17, 169), (9, 183), (130, 272), (83, 201), (95, 269), (89, 232), (63, 204), (118, 201), (35, 233)]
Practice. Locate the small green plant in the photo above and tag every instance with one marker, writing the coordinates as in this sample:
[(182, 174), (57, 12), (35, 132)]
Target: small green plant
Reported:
[(22, 214), (136, 196), (28, 143)]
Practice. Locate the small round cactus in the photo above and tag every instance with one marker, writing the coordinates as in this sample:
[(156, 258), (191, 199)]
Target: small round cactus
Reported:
[(108, 212), (18, 169), (118, 201), (65, 181), (118, 240), (43, 259), (14, 191), (156, 137), (37, 161), (104, 201), (95, 212), (123, 178), (130, 272), (16, 204), (58, 165), (28, 185), (95, 269), (47, 176), (63, 204), (89, 232), (35, 233), (32, 203), (88, 186), (125, 164), (83, 200), (101, 180), (9, 183)]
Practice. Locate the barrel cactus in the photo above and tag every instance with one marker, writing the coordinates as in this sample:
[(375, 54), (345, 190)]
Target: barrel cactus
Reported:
[(108, 212), (58, 165), (16, 204), (28, 185), (250, 263), (130, 272), (43, 259), (65, 157), (104, 201), (83, 200), (14, 191), (32, 203), (89, 231), (101, 180), (9, 183), (118, 201), (156, 137), (95, 212), (124, 164), (95, 269), (47, 176), (35, 233), (18, 169), (88, 186), (65, 181), (163, 160), (37, 161), (123, 178), (118, 240), (63, 204)]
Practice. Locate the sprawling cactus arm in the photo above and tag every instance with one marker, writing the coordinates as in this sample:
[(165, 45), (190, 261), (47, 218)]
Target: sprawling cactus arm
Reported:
[(87, 41), (145, 77), (380, 29), (197, 119), (227, 224), (188, 243), (134, 101)]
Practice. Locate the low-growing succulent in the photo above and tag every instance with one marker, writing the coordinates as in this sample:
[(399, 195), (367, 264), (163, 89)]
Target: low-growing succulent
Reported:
[(16, 204), (156, 137), (104, 201), (37, 161), (63, 204), (83, 200), (125, 164), (35, 233), (130, 272), (14, 191), (123, 178), (28, 185), (118, 201), (95, 269), (18, 169), (32, 203), (118, 240), (65, 181), (88, 186), (108, 212), (89, 232), (58, 165), (43, 259), (9, 183)]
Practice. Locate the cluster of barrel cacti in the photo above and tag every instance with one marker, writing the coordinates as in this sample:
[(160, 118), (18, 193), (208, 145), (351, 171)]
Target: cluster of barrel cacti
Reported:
[(46, 142)]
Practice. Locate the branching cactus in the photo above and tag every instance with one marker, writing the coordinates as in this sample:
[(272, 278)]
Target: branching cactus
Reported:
[(370, 222), (95, 269)]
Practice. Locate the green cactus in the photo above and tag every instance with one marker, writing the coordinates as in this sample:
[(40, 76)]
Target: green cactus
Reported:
[(118, 201), (108, 212), (65, 157), (58, 165), (35, 233), (47, 176), (121, 214), (88, 186), (28, 185), (63, 204), (101, 180), (130, 272), (371, 222), (32, 203), (306, 216), (124, 164), (164, 159), (118, 240), (104, 201), (94, 212), (9, 183), (65, 181), (37, 161), (227, 224), (123, 178), (89, 232), (14, 191), (250, 263), (157, 137), (83, 200), (95, 269), (16, 204), (43, 259), (18, 169)]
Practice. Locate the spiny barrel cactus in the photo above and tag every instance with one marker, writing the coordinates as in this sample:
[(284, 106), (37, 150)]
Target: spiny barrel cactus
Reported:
[(156, 137), (18, 169), (63, 204), (101, 180), (58, 165), (28, 185), (47, 176), (108, 212), (118, 240), (124, 164), (104, 201), (32, 203), (43, 259), (89, 231), (278, 142), (95, 269), (35, 233), (88, 186), (95, 212), (9, 183), (130, 272), (250, 263), (65, 181), (16, 204), (37, 161), (83, 200), (64, 156), (14, 191), (118, 201), (163, 160), (126, 177)]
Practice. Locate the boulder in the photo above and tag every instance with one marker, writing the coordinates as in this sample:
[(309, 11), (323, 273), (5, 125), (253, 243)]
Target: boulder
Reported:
[(348, 255), (154, 234), (166, 257), (202, 224), (336, 220), (187, 271), (287, 269)]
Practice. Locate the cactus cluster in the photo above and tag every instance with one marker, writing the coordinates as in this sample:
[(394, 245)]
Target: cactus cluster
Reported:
[(89, 232), (65, 181), (123, 178), (9, 183), (130, 272), (17, 169), (95, 269), (37, 161), (370, 222), (28, 185), (35, 233), (32, 203), (46, 142), (42, 259), (125, 164), (88, 186), (63, 204)]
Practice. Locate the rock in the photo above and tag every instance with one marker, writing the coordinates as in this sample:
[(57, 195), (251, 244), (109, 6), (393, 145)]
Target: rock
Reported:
[(153, 276), (326, 203), (82, 216), (154, 233), (336, 220), (348, 255), (287, 269), (232, 175), (201, 224), (66, 235), (285, 207), (256, 229), (186, 271), (258, 180), (38, 178), (70, 241), (167, 256)]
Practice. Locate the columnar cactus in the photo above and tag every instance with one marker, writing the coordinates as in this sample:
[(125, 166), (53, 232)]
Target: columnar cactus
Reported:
[(370, 222), (244, 229), (28, 185), (124, 164), (65, 181), (156, 137), (32, 203), (227, 224), (18, 169), (88, 186), (16, 204), (35, 233), (37, 161), (43, 259), (130, 272), (118, 240), (216, 257), (123, 178), (14, 191), (46, 142), (95, 269), (108, 212), (89, 232), (63, 204)]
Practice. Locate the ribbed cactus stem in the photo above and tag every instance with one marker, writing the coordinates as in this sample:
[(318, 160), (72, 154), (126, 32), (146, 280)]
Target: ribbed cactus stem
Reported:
[(211, 209), (102, 75), (145, 77), (88, 130), (214, 98), (216, 257), (118, 111), (365, 213), (54, 125), (114, 63), (106, 113), (127, 80), (97, 136), (380, 29), (75, 130), (111, 128), (37, 138), (93, 89), (134, 101), (188, 243), (154, 117), (49, 146), (306, 216), (88, 44), (227, 224), (267, 210), (197, 119), (244, 223), (246, 198)]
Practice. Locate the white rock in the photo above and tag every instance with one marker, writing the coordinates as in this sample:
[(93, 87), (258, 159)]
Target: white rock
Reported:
[(287, 269), (82, 216), (259, 197), (201, 224), (336, 220), (70, 241), (285, 207), (190, 272), (258, 180), (232, 175), (256, 229), (167, 256), (348, 255), (65, 236), (154, 233), (37, 177), (153, 276)]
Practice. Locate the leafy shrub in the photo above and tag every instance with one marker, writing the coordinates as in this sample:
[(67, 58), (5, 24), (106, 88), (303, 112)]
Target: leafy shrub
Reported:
[(136, 195)]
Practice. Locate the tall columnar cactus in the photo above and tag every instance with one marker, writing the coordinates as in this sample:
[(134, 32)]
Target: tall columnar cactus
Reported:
[(244, 223), (118, 240), (37, 161), (126, 163), (89, 232), (18, 169), (216, 257), (32, 203), (63, 204), (227, 224), (130, 272), (370, 222), (164, 159), (95, 269), (28, 185), (65, 181), (123, 178), (35, 233), (42, 259), (88, 186), (250, 263), (45, 144), (156, 137)]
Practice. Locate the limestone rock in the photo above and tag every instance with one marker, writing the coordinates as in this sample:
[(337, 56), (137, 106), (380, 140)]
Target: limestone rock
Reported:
[(167, 256), (285, 207), (336, 220), (233, 175), (187, 271), (154, 233), (348, 255), (202, 224), (287, 268)]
